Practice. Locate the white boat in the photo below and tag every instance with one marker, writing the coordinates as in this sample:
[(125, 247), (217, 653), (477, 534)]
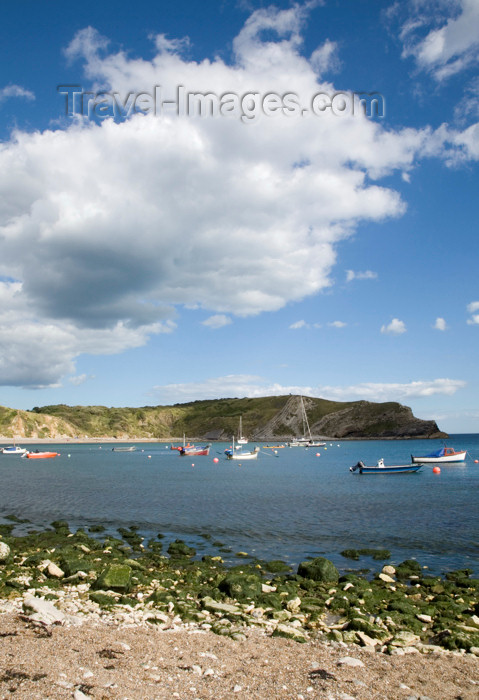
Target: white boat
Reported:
[(13, 450), (241, 439), (234, 453), (307, 439), (445, 454)]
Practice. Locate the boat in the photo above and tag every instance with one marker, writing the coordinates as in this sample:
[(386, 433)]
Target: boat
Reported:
[(307, 439), (194, 451), (41, 455), (381, 468), (13, 450), (445, 454), (132, 448), (234, 453), (184, 445), (241, 439)]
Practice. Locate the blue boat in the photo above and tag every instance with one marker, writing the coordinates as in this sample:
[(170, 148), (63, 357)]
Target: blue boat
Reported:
[(381, 468)]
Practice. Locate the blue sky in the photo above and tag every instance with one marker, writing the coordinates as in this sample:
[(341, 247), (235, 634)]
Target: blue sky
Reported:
[(280, 241)]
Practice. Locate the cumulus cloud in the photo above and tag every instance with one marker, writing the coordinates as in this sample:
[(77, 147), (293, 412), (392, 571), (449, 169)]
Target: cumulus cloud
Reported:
[(396, 327), (15, 91), (325, 58), (440, 324), (366, 275), (337, 324), (236, 386), (109, 225), (217, 321), (452, 45), (299, 324), (472, 308)]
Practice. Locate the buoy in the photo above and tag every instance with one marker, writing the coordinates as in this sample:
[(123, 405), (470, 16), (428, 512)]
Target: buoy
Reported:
[(436, 470), (193, 465), (476, 461), (216, 459), (149, 456), (317, 454)]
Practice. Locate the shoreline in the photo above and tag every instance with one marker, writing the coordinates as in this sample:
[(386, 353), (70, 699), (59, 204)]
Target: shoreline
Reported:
[(118, 617)]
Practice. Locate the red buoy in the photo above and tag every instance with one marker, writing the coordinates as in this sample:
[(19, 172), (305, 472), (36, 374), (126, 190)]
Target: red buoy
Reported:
[(436, 470)]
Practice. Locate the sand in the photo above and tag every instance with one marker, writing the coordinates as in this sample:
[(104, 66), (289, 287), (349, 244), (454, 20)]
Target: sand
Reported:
[(98, 660)]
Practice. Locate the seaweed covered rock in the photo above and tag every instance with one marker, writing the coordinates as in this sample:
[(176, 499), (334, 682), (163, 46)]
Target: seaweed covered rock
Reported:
[(241, 586), (178, 548), (116, 577), (319, 569)]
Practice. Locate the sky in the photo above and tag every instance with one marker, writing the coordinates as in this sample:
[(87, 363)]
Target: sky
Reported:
[(238, 198)]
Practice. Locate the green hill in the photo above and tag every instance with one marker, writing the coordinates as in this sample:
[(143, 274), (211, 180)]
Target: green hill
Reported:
[(268, 418)]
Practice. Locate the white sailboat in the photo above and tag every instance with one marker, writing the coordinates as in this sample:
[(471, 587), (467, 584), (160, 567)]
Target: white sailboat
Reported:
[(307, 439), (234, 453), (241, 439)]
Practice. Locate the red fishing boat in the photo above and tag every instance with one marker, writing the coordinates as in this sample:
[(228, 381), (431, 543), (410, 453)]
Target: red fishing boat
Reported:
[(194, 451), (41, 455)]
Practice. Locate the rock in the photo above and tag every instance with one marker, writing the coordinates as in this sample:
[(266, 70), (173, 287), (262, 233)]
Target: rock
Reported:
[(319, 569), (389, 570), (424, 618), (289, 632), (54, 571), (224, 608), (294, 604), (404, 639), (349, 661), (116, 577), (41, 610), (265, 588), (4, 552), (366, 640), (386, 578), (178, 548), (241, 586)]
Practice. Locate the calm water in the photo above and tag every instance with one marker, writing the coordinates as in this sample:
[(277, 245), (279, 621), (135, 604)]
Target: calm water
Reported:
[(288, 506)]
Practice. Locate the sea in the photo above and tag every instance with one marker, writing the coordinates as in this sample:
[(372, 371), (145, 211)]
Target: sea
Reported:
[(289, 504)]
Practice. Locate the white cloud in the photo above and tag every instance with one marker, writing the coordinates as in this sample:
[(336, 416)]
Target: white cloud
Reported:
[(396, 327), (337, 324), (472, 308), (325, 58), (366, 275), (217, 321), (452, 45), (15, 91), (80, 379), (299, 324), (109, 225), (440, 324), (231, 386)]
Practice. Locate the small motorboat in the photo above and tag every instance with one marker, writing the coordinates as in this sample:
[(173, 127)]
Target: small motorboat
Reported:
[(445, 454), (381, 468), (13, 450), (41, 455), (240, 455), (194, 451), (132, 448)]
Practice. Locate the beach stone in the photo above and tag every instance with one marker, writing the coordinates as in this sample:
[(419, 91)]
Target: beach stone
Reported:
[(349, 661), (116, 577), (474, 650), (54, 571), (389, 570), (424, 618), (319, 569), (43, 611), (4, 552), (224, 608), (366, 640), (386, 578), (404, 638), (294, 604), (289, 632)]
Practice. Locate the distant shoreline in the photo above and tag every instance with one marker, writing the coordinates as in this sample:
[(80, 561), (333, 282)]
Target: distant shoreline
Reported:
[(167, 441)]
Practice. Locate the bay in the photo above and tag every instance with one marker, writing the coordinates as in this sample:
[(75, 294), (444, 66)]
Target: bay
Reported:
[(290, 505)]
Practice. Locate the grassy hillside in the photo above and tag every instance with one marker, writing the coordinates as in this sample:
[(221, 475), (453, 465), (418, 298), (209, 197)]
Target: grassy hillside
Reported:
[(266, 418)]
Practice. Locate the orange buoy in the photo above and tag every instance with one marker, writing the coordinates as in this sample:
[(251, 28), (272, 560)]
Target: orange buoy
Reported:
[(436, 470), (216, 459)]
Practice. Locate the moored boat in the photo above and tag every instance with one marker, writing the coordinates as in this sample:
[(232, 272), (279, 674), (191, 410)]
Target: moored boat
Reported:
[(131, 448), (41, 455), (194, 451), (444, 454), (381, 468), (13, 450)]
